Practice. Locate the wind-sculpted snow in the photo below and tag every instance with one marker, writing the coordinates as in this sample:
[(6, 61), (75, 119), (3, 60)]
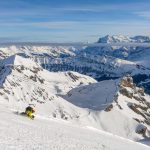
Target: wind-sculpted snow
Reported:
[(96, 96)]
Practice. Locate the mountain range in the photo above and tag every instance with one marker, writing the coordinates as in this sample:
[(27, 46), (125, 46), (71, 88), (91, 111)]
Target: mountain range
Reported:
[(115, 106), (102, 88), (124, 39), (99, 62)]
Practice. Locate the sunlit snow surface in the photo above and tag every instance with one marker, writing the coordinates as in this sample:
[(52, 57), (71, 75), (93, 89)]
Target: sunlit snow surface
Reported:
[(18, 132), (71, 96)]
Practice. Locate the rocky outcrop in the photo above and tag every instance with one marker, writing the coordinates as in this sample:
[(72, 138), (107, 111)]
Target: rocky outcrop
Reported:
[(109, 108), (137, 102)]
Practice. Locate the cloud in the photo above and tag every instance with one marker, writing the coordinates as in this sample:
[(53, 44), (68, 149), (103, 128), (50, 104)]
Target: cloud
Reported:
[(74, 31), (45, 22), (26, 9), (144, 14), (73, 24)]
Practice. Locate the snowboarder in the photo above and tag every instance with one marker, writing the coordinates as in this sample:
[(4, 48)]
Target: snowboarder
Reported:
[(29, 112)]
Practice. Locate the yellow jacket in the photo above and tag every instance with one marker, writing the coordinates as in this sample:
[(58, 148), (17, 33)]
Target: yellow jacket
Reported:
[(29, 114)]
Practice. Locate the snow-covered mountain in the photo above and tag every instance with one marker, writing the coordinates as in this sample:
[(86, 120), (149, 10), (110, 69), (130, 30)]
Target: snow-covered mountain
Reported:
[(99, 62), (115, 106), (40, 50), (124, 39), (118, 106), (106, 112), (22, 79)]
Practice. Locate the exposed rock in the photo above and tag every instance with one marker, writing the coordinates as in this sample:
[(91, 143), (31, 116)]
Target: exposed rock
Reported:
[(74, 77), (135, 109), (127, 82), (7, 91), (141, 91), (36, 70), (147, 121), (33, 78), (137, 120), (1, 93), (137, 98), (125, 92), (41, 80), (148, 104), (109, 108), (116, 100), (22, 67)]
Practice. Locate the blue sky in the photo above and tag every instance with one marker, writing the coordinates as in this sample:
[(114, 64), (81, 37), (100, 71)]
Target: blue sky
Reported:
[(72, 20)]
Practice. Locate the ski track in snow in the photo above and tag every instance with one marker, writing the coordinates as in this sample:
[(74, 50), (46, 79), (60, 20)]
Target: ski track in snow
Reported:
[(21, 133)]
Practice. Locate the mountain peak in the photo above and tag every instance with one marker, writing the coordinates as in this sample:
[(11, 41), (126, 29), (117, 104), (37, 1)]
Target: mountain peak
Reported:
[(16, 60), (114, 39), (120, 102), (123, 39)]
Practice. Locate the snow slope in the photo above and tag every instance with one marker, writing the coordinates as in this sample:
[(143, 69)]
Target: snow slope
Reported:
[(95, 96), (116, 106), (16, 60), (23, 82), (109, 105), (19, 132)]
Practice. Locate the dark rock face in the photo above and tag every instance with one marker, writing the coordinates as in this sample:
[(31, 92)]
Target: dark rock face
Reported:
[(138, 103), (109, 108)]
